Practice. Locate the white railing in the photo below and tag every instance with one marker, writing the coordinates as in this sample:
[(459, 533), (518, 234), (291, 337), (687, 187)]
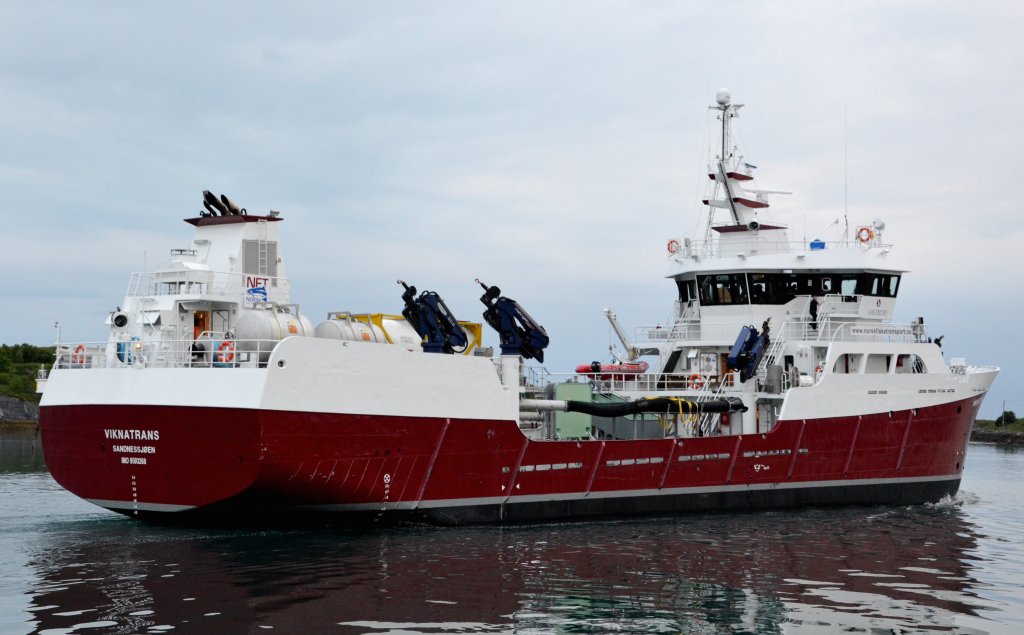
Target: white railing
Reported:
[(826, 329), (693, 387), (697, 384), (157, 283), (685, 329), (868, 332), (715, 248), (212, 351)]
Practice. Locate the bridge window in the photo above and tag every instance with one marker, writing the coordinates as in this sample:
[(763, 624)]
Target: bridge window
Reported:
[(878, 284), (848, 285), (760, 288), (723, 289), (893, 286), (780, 288), (687, 290)]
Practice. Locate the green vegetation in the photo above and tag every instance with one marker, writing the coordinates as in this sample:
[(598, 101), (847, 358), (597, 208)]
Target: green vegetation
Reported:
[(1013, 424), (18, 367), (1008, 417)]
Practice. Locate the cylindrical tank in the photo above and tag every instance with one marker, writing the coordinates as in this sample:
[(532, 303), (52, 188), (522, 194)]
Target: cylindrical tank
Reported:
[(402, 333), (257, 330), (351, 331), (370, 327), (773, 381)]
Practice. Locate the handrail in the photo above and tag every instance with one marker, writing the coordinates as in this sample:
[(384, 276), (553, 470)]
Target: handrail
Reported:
[(210, 350), (198, 282), (713, 248), (649, 382), (829, 329)]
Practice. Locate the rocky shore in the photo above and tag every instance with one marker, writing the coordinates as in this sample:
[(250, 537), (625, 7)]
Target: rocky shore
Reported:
[(1002, 437), (12, 409)]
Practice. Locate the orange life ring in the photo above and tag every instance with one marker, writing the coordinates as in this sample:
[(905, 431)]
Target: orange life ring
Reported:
[(673, 246), (696, 381), (78, 355), (864, 234), (225, 353)]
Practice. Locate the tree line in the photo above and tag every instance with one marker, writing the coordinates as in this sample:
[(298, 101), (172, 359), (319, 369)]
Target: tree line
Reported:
[(19, 364)]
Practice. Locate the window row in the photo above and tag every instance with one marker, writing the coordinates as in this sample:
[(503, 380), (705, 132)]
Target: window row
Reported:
[(850, 363), (780, 288)]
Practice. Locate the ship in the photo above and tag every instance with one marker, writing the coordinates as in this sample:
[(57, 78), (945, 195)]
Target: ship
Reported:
[(781, 380)]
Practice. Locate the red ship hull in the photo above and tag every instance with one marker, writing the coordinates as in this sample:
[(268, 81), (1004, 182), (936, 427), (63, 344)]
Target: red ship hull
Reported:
[(452, 471)]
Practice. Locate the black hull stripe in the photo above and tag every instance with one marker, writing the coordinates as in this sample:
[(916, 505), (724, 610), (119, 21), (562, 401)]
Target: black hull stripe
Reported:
[(619, 503)]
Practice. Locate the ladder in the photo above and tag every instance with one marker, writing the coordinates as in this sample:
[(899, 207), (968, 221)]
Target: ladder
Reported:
[(706, 423), (778, 343), (262, 264)]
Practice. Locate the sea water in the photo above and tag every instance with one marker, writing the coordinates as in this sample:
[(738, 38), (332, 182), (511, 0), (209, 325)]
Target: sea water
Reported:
[(956, 566)]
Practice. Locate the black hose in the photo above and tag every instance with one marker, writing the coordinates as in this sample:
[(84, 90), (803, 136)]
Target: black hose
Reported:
[(664, 405)]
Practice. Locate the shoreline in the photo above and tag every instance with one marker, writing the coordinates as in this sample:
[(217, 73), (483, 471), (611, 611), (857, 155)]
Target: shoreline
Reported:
[(19, 426), (1002, 437)]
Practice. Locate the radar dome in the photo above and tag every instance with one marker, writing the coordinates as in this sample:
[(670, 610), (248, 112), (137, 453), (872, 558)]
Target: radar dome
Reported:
[(723, 97), (879, 224)]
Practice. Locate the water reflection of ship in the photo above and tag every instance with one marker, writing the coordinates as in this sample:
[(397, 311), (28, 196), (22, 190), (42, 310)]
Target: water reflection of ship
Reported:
[(901, 566)]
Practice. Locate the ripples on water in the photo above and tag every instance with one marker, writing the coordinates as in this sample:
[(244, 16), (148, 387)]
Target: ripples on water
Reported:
[(950, 567)]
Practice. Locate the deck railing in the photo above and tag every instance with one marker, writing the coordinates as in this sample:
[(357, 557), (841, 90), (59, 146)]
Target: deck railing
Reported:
[(197, 282), (764, 244), (209, 351), (696, 384), (826, 329)]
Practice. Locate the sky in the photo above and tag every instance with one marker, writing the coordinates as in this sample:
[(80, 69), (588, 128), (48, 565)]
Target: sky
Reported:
[(549, 148)]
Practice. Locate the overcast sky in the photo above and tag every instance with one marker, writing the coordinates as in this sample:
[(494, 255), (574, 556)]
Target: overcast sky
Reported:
[(550, 148)]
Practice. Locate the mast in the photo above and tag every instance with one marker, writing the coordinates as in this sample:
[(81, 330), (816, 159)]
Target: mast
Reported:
[(727, 111)]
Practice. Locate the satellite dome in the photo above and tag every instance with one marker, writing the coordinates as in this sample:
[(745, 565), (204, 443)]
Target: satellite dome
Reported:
[(723, 97)]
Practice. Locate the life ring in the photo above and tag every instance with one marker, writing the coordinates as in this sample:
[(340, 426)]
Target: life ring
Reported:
[(673, 246), (78, 355), (865, 234), (225, 353), (696, 381), (724, 420)]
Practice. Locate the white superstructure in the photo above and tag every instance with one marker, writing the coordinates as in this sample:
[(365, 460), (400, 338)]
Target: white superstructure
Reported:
[(825, 305)]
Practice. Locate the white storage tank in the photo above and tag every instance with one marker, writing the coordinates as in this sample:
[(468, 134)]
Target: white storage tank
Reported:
[(259, 330), (370, 327), (344, 327)]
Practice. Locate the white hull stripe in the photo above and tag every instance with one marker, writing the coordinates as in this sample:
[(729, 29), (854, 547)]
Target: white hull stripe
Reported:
[(144, 507)]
